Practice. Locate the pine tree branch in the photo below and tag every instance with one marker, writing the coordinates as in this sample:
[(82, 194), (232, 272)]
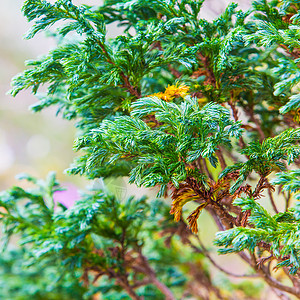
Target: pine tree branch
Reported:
[(131, 89), (221, 159), (151, 274), (287, 200), (236, 118), (272, 200), (271, 281), (206, 169), (173, 71), (249, 111), (204, 251)]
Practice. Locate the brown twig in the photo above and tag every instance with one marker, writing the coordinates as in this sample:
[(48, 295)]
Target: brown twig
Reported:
[(206, 169), (173, 71), (225, 217), (198, 165), (279, 294), (221, 159), (293, 279), (272, 201), (152, 277), (261, 185), (271, 281), (216, 218), (129, 289), (236, 118), (295, 53), (163, 288), (287, 200), (140, 283), (209, 72), (252, 117), (204, 251), (131, 89)]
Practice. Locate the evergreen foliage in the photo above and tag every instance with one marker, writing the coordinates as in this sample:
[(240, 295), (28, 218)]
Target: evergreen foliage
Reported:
[(205, 112)]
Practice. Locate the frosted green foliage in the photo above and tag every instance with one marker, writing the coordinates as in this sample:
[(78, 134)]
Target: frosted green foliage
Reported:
[(290, 182), (17, 280), (68, 237), (273, 30), (200, 111), (280, 232), (268, 156), (161, 155)]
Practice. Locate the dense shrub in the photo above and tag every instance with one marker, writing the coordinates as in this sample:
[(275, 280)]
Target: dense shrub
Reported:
[(204, 112)]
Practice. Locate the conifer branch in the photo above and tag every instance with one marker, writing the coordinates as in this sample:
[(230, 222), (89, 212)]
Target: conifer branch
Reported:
[(249, 111), (271, 281), (206, 253), (180, 137), (132, 90), (272, 199), (236, 118)]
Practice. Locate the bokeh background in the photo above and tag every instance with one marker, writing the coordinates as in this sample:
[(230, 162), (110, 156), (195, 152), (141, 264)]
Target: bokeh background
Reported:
[(32, 143)]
